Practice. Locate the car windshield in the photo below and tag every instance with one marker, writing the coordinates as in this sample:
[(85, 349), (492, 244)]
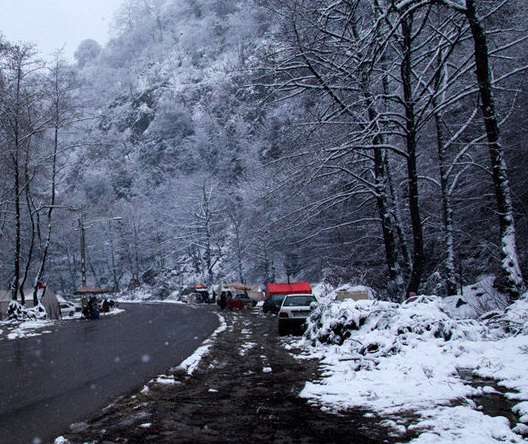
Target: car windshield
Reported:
[(299, 301), (277, 297)]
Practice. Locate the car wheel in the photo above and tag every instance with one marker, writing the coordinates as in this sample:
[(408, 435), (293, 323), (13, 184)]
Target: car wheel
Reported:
[(283, 329), (70, 314)]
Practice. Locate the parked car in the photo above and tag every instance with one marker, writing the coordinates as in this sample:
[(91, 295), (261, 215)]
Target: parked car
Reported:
[(195, 294), (273, 303), (294, 311), (239, 302), (67, 308), (276, 291), (78, 305), (248, 302), (192, 298)]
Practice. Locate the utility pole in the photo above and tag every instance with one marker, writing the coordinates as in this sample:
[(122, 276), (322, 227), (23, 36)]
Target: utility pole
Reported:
[(82, 228), (83, 251)]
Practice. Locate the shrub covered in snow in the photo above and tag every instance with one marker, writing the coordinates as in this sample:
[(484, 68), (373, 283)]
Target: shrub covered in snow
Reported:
[(475, 300), (385, 326), (407, 361), (511, 321), (18, 312)]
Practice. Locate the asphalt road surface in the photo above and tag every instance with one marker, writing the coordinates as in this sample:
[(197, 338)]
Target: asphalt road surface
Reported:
[(53, 380)]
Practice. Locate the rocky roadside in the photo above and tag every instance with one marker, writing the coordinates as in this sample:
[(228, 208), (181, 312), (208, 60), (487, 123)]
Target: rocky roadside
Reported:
[(244, 390)]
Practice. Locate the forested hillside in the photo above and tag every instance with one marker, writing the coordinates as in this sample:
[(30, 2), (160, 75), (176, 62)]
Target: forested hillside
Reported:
[(374, 142)]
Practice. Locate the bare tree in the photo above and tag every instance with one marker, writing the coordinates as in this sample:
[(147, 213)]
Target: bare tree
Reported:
[(511, 280), (21, 120)]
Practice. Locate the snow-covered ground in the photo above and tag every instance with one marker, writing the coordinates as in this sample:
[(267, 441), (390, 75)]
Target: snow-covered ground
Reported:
[(146, 294), (36, 327), (410, 363), (27, 329)]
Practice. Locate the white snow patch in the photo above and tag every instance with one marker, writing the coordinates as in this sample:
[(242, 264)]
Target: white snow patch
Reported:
[(246, 347), (113, 311), (165, 380), (462, 424), (325, 292), (29, 329), (401, 359), (475, 299), (521, 408)]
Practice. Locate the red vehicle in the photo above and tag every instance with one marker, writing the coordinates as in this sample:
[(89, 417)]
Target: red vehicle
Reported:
[(238, 301)]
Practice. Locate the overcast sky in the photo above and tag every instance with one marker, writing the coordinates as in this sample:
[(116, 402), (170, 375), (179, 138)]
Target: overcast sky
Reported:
[(52, 24)]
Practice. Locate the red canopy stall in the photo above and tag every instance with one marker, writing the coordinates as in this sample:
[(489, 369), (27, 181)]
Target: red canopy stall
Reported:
[(289, 288)]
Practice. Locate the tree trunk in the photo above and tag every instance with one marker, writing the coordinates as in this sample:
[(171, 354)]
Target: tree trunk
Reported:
[(17, 191), (47, 243), (72, 266), (382, 192), (398, 224), (237, 222), (113, 261), (34, 225), (410, 125), (447, 210), (136, 251), (387, 227), (511, 280)]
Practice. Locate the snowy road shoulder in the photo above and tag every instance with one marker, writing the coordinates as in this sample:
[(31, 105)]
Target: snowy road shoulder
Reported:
[(27, 329), (403, 362), (190, 364)]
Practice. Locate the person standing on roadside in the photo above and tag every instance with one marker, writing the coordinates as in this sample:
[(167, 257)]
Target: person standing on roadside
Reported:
[(223, 300)]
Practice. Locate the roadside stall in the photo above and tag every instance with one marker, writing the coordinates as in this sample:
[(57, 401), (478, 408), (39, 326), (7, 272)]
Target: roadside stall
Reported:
[(236, 296), (89, 302)]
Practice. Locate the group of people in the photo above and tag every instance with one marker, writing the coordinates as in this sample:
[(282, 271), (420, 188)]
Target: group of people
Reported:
[(91, 308)]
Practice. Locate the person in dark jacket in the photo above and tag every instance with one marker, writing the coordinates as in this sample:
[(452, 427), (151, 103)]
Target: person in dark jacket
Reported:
[(223, 300), (105, 308)]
